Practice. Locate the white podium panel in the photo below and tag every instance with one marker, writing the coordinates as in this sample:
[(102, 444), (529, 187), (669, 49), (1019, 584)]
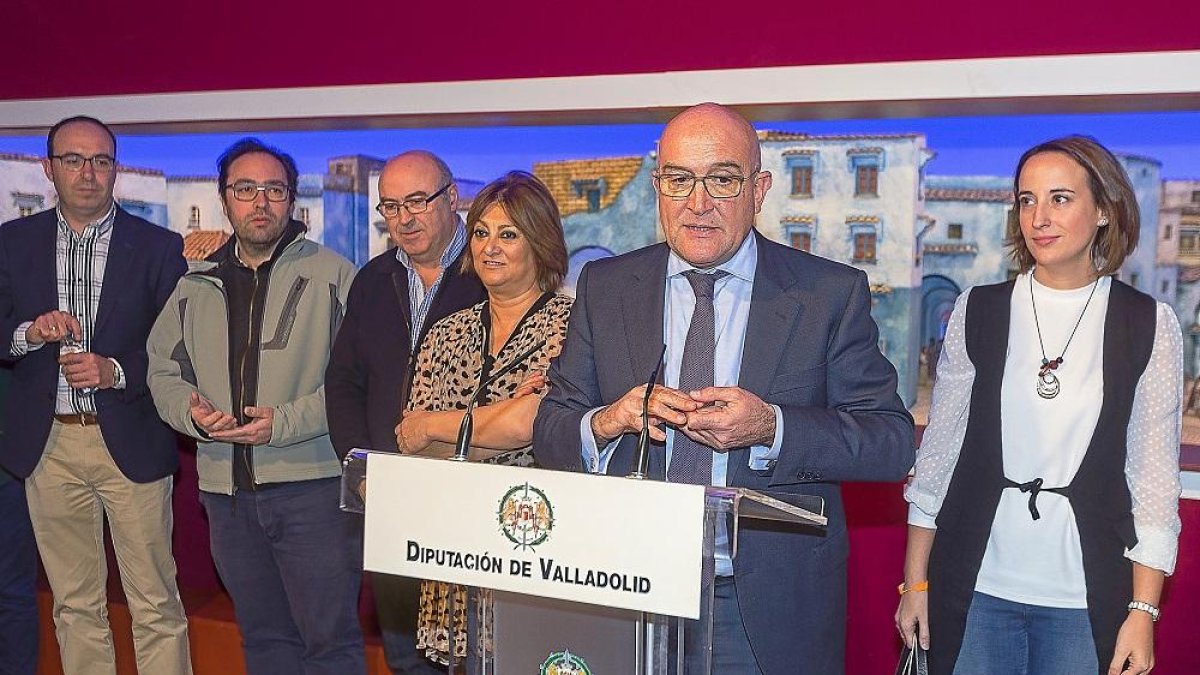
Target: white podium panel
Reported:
[(616, 542)]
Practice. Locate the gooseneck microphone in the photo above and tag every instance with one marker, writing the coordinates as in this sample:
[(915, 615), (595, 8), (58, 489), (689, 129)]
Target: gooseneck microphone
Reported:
[(462, 445), (641, 459)]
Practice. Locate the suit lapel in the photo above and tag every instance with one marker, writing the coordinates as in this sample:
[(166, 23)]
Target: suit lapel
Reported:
[(44, 277), (642, 312), (120, 257), (775, 306)]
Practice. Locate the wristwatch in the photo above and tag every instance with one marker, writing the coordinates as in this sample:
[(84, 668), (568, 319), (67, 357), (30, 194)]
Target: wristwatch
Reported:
[(1145, 607), (118, 375)]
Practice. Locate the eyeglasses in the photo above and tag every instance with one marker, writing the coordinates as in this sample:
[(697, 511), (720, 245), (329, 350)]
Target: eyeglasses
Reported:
[(415, 205), (719, 185), (73, 161), (248, 192)]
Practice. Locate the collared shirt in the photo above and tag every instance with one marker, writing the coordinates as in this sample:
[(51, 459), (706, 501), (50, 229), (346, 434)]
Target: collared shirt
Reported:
[(731, 305), (80, 261), (420, 299)]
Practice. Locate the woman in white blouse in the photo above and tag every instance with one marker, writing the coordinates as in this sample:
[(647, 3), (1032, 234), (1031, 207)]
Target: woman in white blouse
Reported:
[(1043, 511)]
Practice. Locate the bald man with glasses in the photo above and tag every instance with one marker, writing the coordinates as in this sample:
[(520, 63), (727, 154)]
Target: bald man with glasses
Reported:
[(394, 300), (772, 380)]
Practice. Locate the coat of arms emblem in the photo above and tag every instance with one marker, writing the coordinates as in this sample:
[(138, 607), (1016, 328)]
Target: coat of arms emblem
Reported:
[(564, 663), (526, 516)]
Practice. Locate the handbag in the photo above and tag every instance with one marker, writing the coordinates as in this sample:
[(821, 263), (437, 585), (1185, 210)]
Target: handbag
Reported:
[(913, 661)]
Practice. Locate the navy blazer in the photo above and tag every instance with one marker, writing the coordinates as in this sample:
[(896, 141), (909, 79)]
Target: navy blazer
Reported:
[(810, 348), (144, 262), (367, 379)]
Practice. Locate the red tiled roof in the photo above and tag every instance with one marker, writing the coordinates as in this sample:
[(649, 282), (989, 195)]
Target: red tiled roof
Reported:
[(19, 157), (138, 170), (862, 219), (952, 249), (191, 179), (200, 244), (769, 136), (968, 195), (560, 178)]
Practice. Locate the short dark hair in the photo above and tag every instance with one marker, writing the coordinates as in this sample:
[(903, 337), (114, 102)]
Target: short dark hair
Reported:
[(71, 120), (1111, 190), (250, 145), (532, 209)]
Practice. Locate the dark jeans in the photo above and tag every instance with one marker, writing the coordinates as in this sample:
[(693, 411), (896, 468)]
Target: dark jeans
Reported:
[(292, 562), (18, 582), (731, 646), (397, 601)]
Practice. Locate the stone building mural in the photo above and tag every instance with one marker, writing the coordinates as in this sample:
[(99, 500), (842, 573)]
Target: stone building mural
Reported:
[(857, 199), (866, 200), (1140, 269), (617, 211), (1179, 243)]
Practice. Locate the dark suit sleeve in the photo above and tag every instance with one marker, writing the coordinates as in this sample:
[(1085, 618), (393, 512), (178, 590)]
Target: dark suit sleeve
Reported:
[(574, 391), (170, 267), (8, 319), (346, 379), (863, 433)]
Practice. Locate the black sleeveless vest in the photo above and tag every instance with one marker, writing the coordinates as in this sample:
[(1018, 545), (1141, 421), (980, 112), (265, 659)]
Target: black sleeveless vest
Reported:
[(1098, 493)]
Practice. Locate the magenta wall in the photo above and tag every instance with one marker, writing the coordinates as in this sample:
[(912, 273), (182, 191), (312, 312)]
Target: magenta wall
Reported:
[(61, 49)]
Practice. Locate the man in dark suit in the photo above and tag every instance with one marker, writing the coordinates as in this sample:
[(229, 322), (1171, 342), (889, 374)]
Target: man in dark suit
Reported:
[(393, 301), (773, 380), (80, 287), (18, 570)]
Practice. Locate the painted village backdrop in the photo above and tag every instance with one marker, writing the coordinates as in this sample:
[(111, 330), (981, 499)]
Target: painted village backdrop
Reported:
[(875, 194)]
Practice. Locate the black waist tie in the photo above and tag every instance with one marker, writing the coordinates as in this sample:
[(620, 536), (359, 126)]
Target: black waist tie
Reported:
[(1033, 487)]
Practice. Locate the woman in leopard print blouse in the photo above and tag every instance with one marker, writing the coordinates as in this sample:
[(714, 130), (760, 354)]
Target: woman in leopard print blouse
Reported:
[(516, 247)]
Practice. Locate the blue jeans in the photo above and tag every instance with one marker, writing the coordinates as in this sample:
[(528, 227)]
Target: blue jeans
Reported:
[(292, 562), (18, 583), (1010, 638)]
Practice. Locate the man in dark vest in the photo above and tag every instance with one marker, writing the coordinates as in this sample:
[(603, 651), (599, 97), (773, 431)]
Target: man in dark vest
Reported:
[(393, 301)]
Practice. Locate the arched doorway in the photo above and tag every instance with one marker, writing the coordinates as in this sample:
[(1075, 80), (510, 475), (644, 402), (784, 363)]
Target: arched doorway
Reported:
[(938, 294), (580, 257), (937, 302)]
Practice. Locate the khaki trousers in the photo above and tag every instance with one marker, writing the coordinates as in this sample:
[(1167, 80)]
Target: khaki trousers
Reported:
[(74, 486)]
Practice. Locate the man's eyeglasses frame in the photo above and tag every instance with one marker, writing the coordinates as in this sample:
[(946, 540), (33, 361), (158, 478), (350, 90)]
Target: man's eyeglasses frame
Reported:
[(415, 205)]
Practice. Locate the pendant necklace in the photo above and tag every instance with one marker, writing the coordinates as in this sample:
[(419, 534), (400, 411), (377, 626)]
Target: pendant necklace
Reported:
[(1048, 385)]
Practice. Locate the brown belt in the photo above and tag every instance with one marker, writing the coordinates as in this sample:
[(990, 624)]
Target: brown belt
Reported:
[(81, 419)]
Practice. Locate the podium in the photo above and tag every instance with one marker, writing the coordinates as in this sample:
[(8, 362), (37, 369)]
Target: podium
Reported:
[(566, 573)]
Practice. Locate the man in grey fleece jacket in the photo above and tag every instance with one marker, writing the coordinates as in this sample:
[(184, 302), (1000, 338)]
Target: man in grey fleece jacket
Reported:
[(237, 361)]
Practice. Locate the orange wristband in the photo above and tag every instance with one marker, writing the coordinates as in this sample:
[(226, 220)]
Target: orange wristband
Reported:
[(917, 587)]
